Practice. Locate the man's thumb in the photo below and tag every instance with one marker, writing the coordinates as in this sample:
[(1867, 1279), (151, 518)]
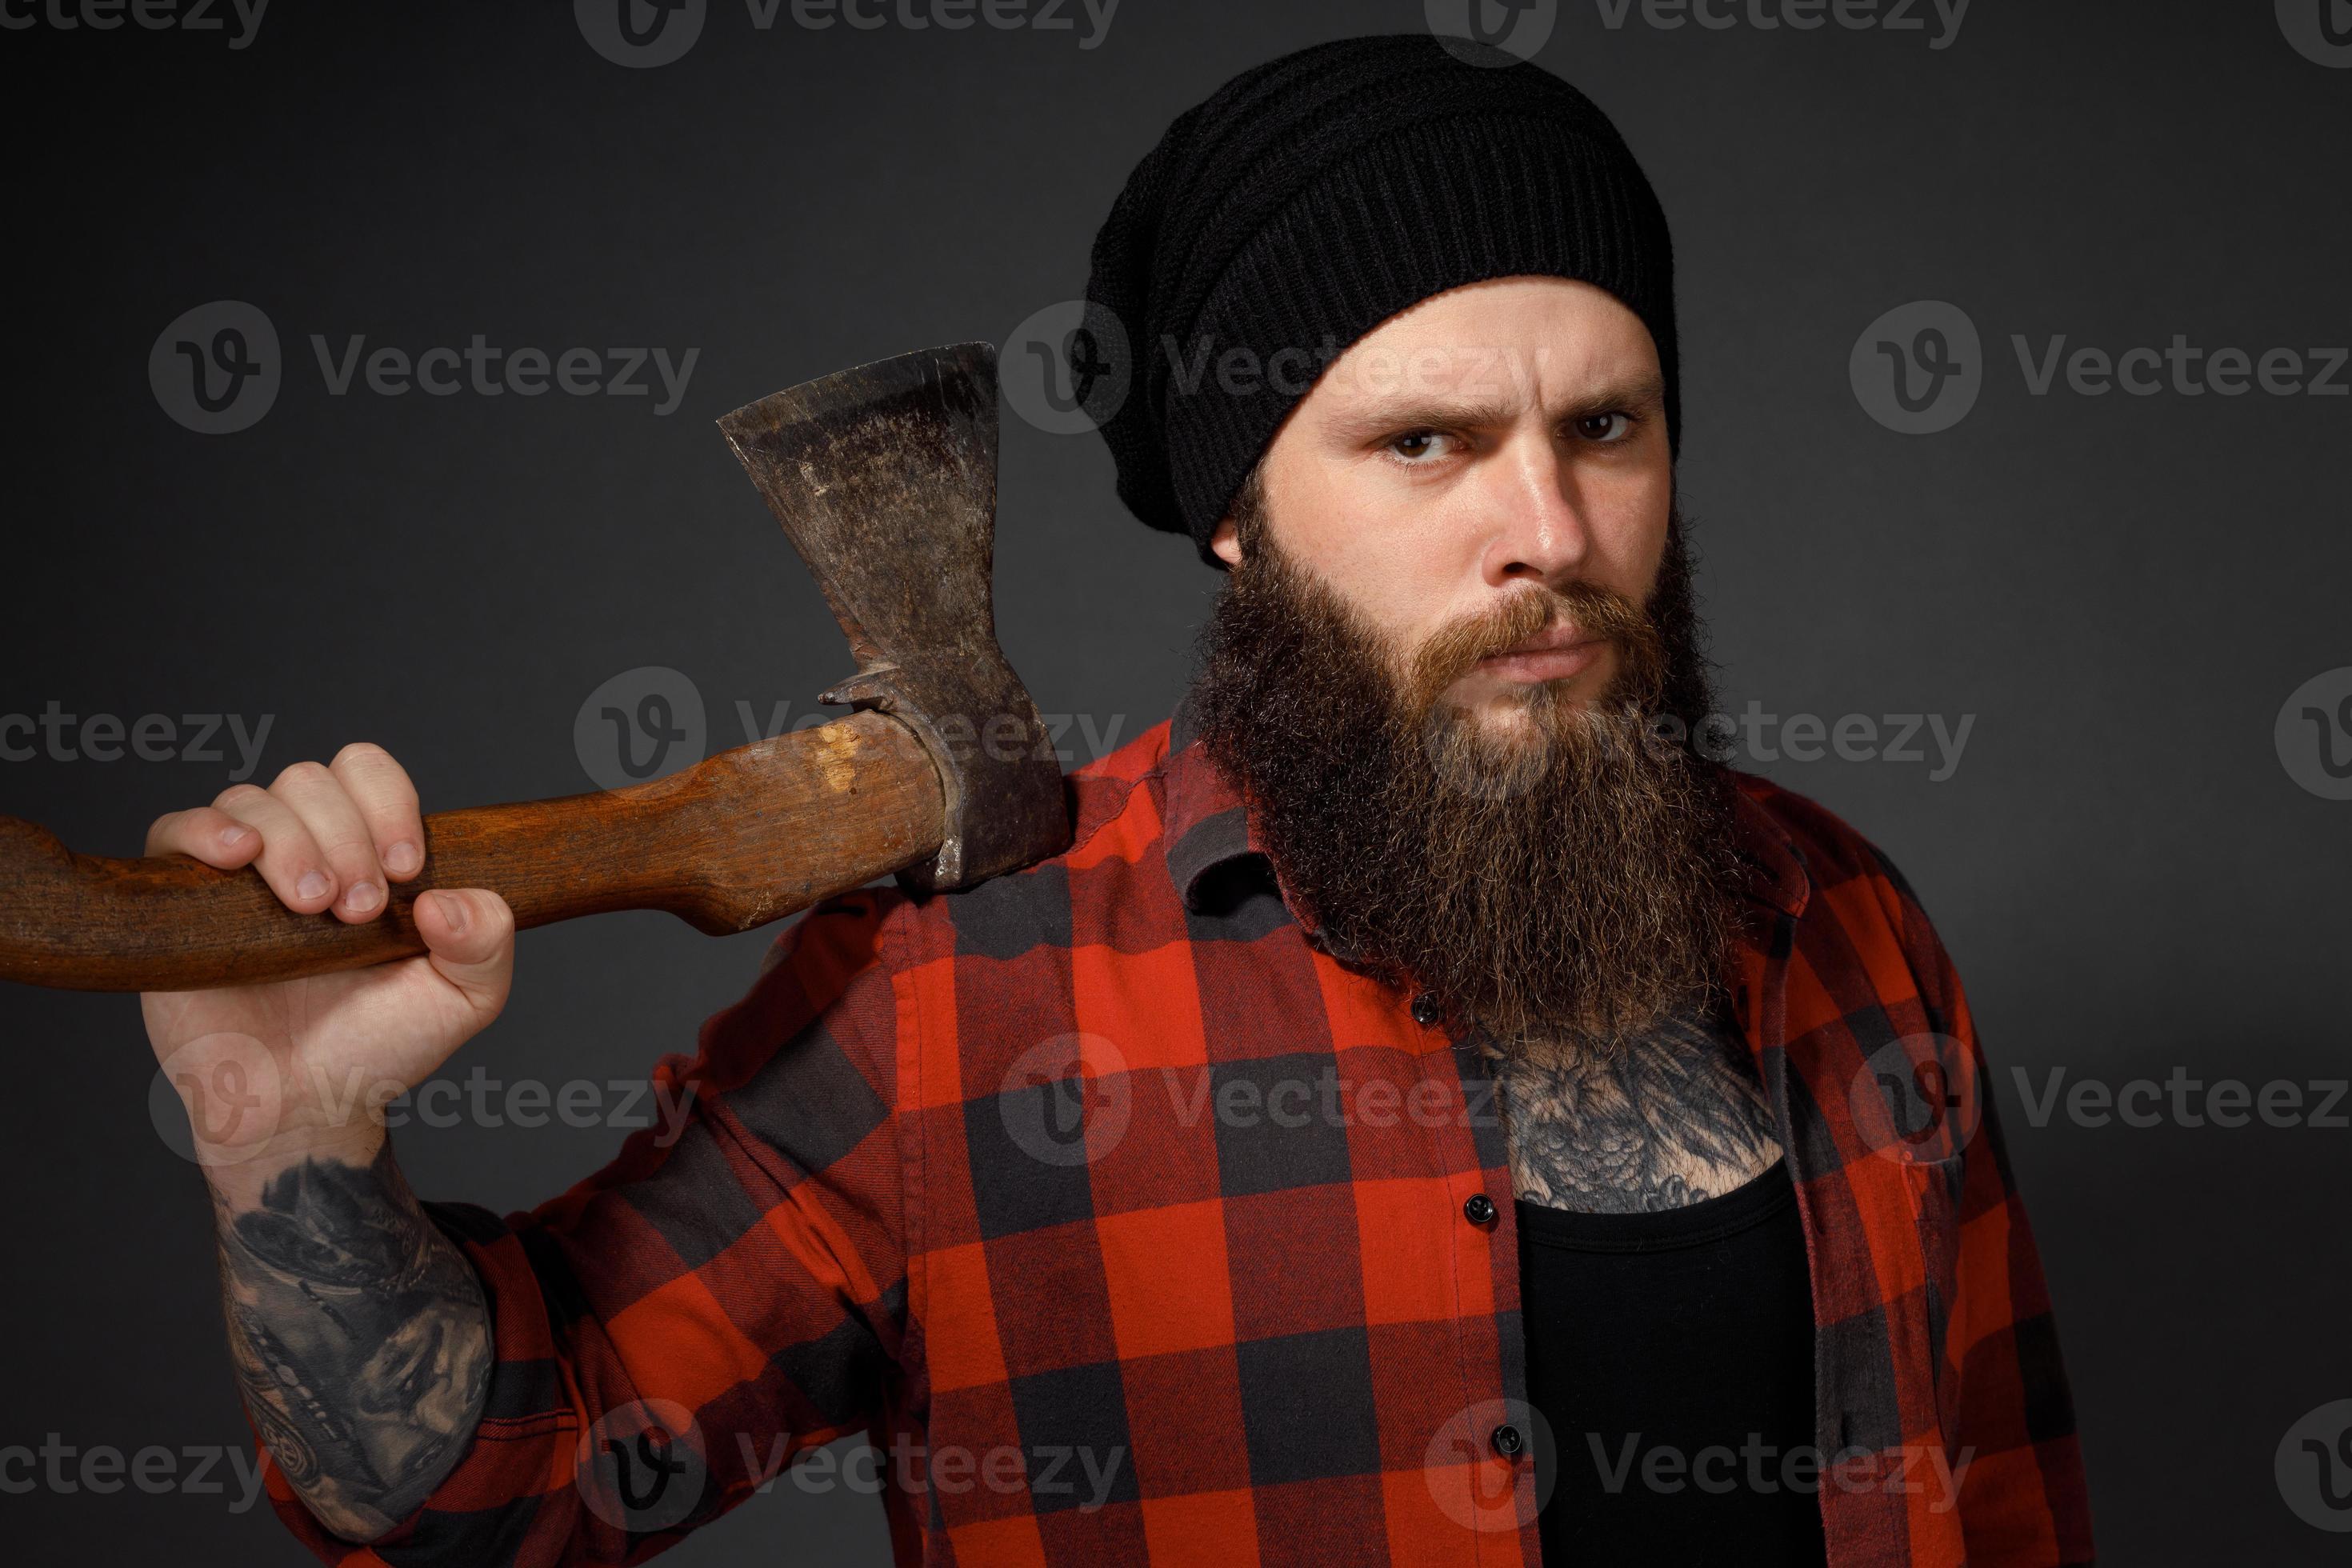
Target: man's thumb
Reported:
[(470, 936)]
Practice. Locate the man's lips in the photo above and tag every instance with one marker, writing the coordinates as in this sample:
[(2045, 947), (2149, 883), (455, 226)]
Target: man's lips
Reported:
[(1555, 655)]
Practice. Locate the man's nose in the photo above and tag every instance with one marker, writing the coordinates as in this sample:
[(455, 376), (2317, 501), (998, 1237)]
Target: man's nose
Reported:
[(1538, 526)]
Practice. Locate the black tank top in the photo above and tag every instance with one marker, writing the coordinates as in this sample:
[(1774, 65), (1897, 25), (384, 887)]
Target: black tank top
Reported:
[(1670, 1355)]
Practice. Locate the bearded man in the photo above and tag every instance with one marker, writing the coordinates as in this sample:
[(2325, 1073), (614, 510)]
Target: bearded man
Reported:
[(1436, 1112)]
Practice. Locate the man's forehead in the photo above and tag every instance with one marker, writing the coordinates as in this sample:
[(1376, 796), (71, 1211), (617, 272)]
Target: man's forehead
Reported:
[(1494, 354)]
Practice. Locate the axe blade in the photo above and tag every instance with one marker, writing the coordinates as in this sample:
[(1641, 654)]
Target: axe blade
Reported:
[(884, 476)]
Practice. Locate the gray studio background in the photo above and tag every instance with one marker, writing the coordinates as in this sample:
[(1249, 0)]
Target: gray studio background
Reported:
[(2123, 591)]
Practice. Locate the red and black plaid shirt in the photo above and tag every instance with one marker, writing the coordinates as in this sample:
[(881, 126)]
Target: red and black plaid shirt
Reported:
[(1128, 1221)]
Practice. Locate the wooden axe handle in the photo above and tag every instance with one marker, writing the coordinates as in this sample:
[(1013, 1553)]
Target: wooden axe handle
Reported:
[(740, 839)]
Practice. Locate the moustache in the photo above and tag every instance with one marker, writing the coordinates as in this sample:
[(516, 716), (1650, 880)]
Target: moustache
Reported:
[(1590, 609)]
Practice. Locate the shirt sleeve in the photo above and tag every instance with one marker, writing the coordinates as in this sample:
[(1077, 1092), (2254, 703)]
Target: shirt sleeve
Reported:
[(2023, 1499), (729, 1292)]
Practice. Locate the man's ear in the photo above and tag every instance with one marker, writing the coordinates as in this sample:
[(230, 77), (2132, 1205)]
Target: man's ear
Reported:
[(1225, 541)]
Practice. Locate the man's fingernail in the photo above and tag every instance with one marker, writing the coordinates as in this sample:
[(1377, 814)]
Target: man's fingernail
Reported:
[(453, 910), (311, 886), (232, 836), (361, 897), (402, 857)]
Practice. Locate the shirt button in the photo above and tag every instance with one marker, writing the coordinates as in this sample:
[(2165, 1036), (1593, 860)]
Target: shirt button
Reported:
[(1508, 1440), (1478, 1209), (1427, 1009)]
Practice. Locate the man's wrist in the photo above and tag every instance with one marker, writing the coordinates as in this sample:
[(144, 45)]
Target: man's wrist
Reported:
[(238, 1173)]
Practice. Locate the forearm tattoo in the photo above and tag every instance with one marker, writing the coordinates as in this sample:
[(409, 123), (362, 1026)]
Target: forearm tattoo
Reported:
[(360, 1336), (1671, 1121)]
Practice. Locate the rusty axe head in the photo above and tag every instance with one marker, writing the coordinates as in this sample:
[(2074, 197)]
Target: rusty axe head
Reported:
[(885, 479)]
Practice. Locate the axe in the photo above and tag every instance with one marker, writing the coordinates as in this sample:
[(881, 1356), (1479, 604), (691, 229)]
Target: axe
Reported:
[(885, 479)]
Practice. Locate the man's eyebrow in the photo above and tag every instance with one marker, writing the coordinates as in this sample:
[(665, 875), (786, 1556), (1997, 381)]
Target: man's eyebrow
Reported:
[(1421, 410), (1416, 410), (1639, 394)]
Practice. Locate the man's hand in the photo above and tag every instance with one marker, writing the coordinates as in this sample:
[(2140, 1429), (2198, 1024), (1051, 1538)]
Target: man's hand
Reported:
[(308, 1062)]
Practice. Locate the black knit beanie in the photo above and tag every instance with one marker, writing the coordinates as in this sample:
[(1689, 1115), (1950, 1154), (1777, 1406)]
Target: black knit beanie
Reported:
[(1305, 202)]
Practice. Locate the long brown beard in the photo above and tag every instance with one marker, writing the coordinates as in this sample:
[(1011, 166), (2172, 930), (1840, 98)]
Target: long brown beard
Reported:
[(1564, 883)]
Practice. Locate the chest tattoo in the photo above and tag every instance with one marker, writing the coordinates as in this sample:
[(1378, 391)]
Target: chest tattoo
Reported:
[(1679, 1118)]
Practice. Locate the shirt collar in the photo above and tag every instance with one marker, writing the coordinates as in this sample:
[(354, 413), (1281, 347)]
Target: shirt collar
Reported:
[(1207, 826)]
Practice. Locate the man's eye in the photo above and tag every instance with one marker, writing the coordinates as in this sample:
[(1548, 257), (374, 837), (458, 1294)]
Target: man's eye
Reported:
[(1416, 445), (1605, 428)]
